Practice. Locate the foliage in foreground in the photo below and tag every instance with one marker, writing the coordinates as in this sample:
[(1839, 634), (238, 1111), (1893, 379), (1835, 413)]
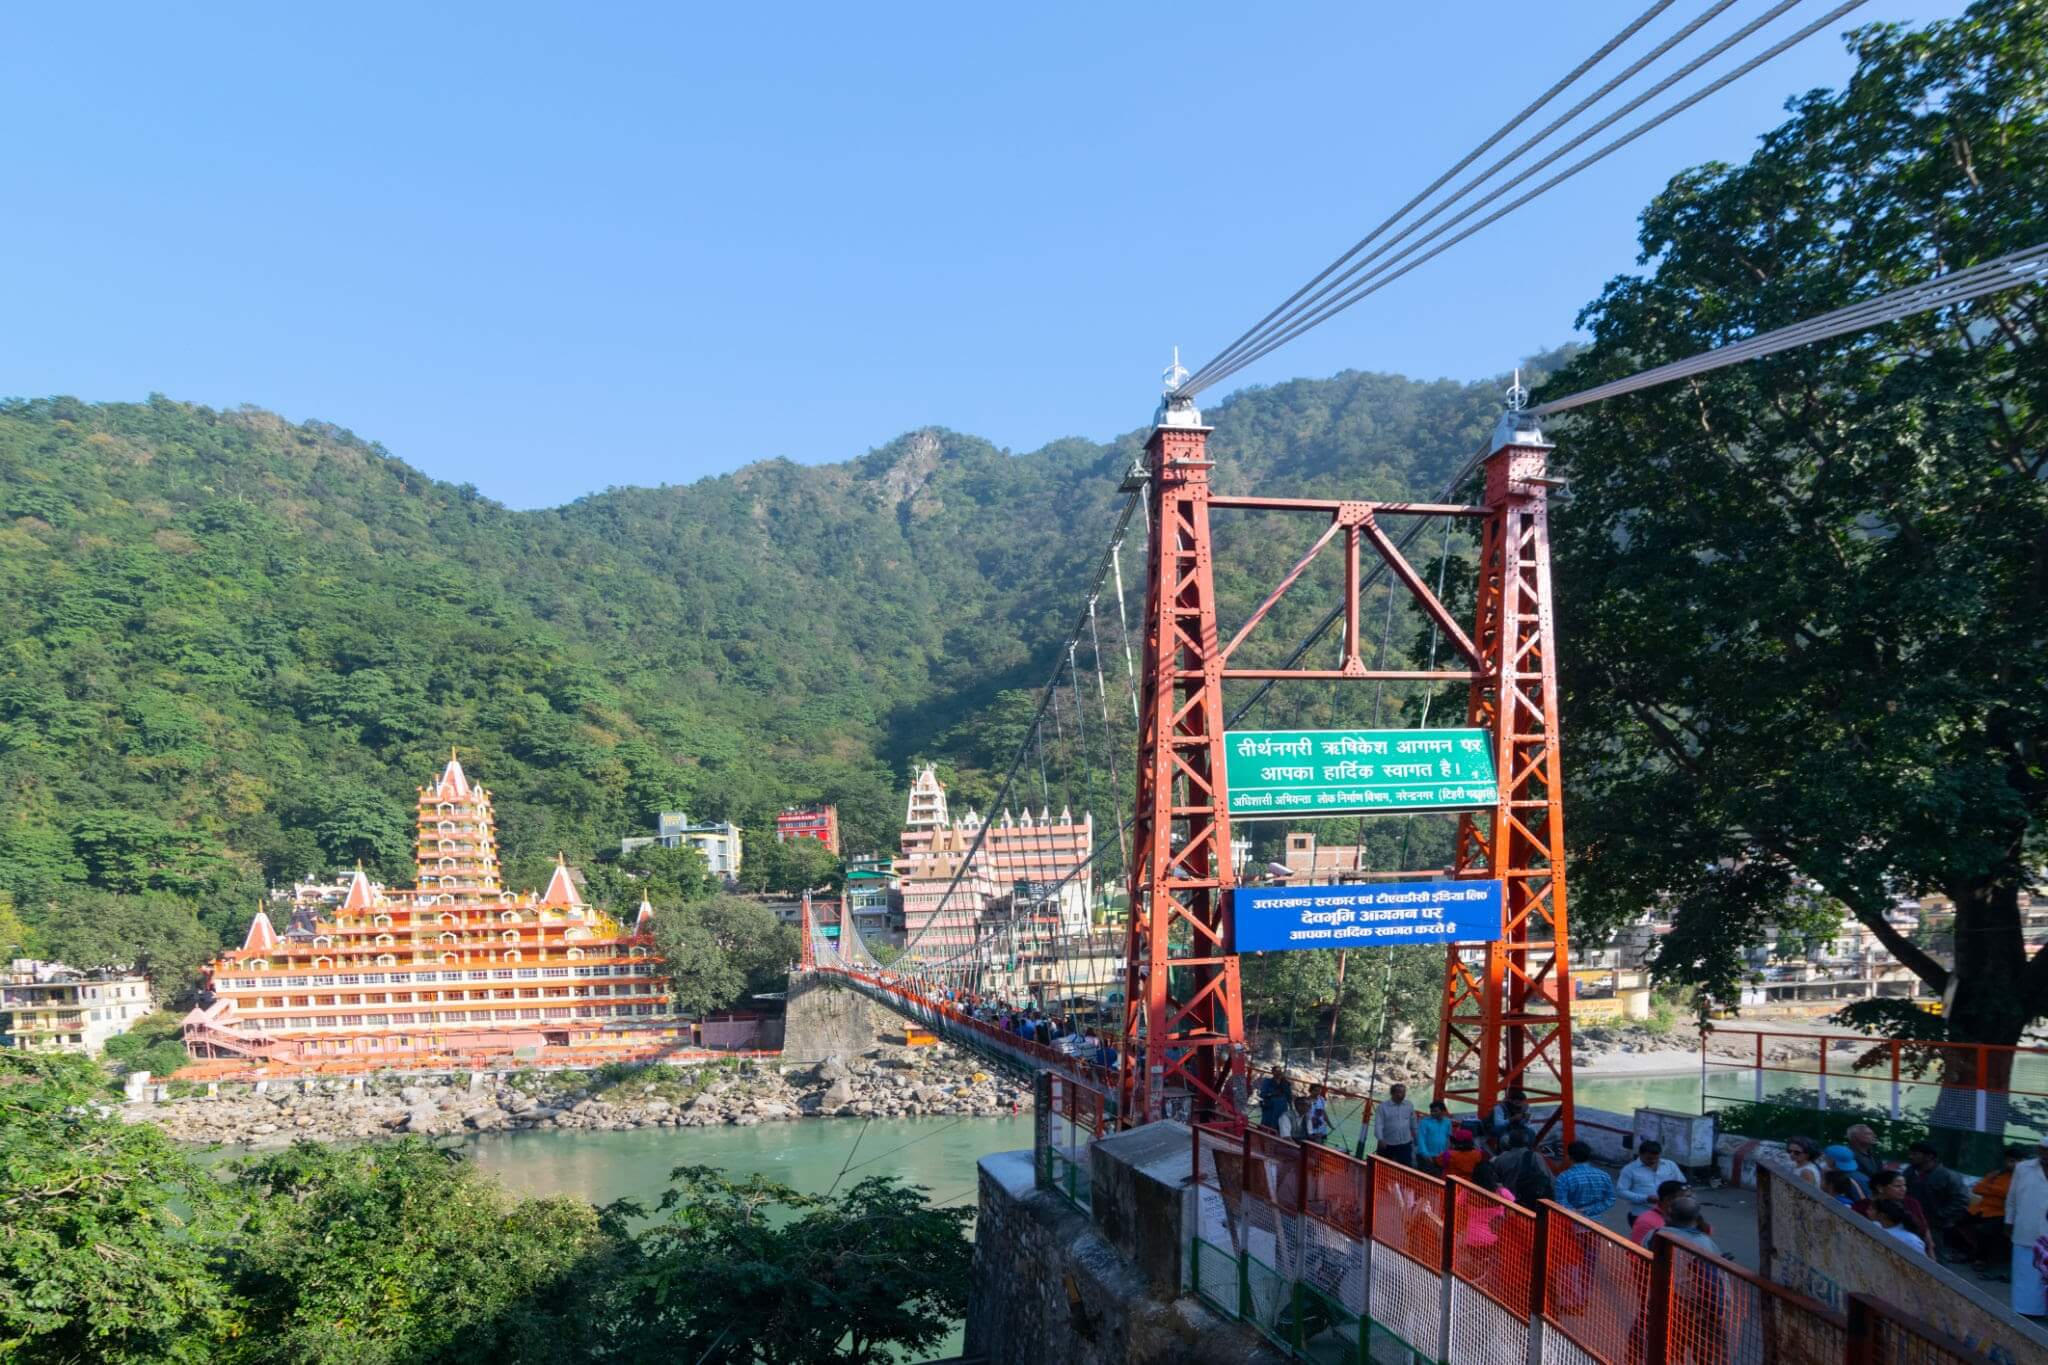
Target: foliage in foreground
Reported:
[(119, 1246)]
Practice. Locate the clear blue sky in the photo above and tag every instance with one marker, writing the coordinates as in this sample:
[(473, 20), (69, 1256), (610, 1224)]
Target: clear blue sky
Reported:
[(549, 249)]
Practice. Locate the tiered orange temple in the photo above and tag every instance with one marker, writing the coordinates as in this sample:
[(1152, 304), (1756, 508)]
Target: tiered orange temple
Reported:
[(452, 968)]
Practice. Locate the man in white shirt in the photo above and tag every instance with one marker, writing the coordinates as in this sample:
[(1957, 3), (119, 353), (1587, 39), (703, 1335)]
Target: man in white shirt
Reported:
[(1639, 1180), (1393, 1123), (2026, 1213)]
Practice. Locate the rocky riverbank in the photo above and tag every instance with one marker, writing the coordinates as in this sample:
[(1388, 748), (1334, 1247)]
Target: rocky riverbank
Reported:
[(883, 1083)]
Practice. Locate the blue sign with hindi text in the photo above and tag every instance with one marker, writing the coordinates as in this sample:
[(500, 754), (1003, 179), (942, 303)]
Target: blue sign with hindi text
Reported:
[(1374, 915)]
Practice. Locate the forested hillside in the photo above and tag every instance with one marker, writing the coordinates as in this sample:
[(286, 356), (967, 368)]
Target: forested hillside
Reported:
[(234, 645)]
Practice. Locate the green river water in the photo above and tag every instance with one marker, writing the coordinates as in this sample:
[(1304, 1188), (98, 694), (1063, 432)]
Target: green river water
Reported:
[(936, 1153)]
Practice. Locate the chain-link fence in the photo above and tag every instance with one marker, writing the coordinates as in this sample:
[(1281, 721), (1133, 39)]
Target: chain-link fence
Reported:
[(1337, 1259)]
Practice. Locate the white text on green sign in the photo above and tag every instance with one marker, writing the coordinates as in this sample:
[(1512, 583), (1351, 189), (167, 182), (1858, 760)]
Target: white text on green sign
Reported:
[(1279, 773)]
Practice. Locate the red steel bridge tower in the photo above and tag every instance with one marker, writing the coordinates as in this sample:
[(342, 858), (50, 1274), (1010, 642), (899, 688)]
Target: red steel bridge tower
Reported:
[(1183, 1038), (1506, 1005)]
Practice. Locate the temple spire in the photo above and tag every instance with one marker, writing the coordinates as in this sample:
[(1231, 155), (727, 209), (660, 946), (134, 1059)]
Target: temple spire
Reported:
[(643, 923), (561, 893), (262, 938), (360, 896), (454, 784)]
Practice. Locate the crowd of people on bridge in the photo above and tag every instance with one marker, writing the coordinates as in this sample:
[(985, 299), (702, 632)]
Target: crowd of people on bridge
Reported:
[(1998, 1224)]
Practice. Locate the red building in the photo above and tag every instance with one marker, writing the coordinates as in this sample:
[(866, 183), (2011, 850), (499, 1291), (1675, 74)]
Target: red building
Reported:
[(820, 822)]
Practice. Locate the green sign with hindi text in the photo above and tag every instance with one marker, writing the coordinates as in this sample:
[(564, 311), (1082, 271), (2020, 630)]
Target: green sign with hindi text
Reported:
[(1276, 774)]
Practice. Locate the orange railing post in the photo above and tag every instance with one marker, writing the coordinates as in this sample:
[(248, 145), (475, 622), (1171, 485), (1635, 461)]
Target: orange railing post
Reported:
[(1657, 1321)]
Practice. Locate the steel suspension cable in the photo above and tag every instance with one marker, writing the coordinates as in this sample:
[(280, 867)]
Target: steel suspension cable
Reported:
[(1117, 531), (1413, 256), (1299, 304), (1109, 745), (2018, 269), (1581, 69), (2015, 270)]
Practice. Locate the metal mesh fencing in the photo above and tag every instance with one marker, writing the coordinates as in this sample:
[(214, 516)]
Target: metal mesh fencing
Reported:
[(1273, 1242), (1714, 1315), (1335, 1259), (1406, 1303), (1331, 1311), (1798, 1331), (1493, 1247), (1335, 1190), (1406, 1280), (1607, 1319), (1074, 1120)]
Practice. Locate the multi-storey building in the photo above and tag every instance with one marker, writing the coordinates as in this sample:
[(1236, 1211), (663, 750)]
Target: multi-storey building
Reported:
[(718, 840), (1045, 854), (820, 822), (946, 886), (870, 880), (455, 964), (49, 1007)]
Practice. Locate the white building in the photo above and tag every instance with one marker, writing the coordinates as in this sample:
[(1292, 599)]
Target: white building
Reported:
[(717, 840), (49, 1007)]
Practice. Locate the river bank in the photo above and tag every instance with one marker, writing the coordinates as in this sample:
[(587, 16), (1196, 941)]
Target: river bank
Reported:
[(886, 1083), (883, 1083)]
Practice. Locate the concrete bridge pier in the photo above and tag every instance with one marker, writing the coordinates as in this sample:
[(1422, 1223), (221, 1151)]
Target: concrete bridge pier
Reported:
[(825, 1018), (1103, 1285)]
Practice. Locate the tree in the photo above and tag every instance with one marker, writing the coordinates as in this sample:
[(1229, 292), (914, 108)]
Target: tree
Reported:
[(1800, 599), (788, 866), (755, 1272), (1293, 996), (130, 851), (669, 876), (156, 934), (355, 823), (16, 938), (152, 1045), (96, 1263), (720, 950), (398, 1251)]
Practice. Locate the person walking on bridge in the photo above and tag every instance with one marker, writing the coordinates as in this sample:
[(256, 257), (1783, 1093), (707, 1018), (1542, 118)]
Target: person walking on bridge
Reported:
[(1276, 1099), (1432, 1137), (1393, 1123), (1584, 1188)]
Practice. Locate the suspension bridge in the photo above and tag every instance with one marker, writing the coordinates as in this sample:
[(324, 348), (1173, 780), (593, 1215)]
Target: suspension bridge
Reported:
[(1133, 720), (1131, 724)]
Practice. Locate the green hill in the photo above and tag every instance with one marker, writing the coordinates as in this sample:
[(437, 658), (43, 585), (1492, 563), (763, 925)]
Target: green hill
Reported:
[(233, 644)]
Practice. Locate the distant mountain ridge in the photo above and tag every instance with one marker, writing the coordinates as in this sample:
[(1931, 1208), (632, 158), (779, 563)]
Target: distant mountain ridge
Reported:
[(233, 645)]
